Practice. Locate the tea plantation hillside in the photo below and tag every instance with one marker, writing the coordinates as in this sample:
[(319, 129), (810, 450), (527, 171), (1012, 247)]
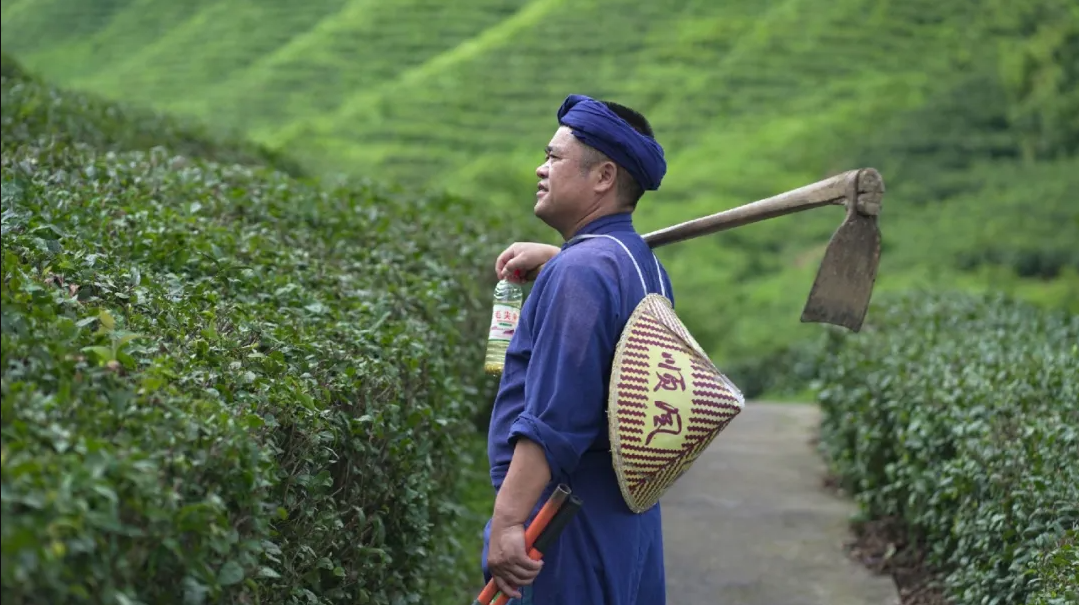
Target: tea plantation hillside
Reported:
[(969, 109), (222, 383)]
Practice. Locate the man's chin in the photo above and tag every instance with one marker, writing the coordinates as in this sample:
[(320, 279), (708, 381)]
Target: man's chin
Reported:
[(540, 206), (543, 213)]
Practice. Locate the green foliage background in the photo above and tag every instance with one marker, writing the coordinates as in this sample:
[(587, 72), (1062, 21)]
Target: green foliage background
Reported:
[(969, 109), (222, 383)]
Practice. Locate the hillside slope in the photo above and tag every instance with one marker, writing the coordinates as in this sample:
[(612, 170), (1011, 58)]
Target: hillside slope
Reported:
[(970, 110)]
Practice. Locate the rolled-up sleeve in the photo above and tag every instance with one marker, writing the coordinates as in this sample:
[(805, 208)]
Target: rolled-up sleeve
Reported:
[(572, 349)]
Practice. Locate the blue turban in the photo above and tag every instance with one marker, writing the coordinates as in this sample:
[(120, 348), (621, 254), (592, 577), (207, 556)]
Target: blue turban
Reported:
[(595, 125)]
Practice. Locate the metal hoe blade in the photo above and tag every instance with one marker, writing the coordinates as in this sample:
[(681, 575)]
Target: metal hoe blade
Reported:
[(845, 279)]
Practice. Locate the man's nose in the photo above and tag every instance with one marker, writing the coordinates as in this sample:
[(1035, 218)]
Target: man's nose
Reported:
[(541, 170)]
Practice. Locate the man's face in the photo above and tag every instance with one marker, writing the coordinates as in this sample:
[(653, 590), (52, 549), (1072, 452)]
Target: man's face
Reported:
[(564, 190)]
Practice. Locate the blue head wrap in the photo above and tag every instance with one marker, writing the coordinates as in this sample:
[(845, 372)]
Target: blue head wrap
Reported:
[(595, 125)]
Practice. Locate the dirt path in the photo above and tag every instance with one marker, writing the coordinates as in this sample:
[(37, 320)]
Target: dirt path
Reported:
[(751, 525)]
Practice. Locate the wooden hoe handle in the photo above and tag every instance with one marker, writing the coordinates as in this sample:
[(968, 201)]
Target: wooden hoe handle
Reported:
[(839, 189)]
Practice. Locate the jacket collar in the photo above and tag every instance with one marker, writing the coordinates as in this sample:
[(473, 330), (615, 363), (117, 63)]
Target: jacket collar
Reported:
[(611, 223)]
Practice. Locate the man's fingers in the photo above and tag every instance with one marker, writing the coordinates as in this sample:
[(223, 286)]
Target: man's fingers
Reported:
[(517, 571), (510, 574), (508, 260), (514, 578), (508, 253), (500, 262), (506, 588), (522, 571), (527, 565), (514, 264), (524, 267)]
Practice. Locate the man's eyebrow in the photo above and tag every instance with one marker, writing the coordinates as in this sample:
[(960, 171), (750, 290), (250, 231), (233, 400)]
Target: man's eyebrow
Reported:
[(548, 149)]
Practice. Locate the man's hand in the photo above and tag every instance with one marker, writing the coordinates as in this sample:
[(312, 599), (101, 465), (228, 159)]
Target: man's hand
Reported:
[(508, 562), (522, 261), (506, 557)]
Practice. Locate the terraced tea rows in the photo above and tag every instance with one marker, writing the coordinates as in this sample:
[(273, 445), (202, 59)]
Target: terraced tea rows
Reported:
[(750, 98)]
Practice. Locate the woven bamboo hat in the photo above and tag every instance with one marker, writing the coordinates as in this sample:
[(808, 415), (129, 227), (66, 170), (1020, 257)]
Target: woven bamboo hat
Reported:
[(667, 403)]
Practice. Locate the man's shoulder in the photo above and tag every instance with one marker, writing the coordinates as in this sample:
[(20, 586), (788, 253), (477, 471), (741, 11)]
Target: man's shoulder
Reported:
[(590, 257), (581, 266)]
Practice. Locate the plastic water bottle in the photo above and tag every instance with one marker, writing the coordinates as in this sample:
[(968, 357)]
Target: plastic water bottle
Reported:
[(504, 317)]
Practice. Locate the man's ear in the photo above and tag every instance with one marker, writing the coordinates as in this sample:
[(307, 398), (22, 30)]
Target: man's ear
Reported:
[(607, 172)]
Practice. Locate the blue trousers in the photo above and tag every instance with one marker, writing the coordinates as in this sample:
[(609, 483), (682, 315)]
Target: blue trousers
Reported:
[(607, 555)]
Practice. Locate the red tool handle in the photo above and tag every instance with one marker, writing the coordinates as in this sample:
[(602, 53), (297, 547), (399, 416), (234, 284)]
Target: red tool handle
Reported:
[(549, 535), (543, 517)]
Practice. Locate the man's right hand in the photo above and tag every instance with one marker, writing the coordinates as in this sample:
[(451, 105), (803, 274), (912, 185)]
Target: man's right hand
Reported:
[(510, 566), (522, 261)]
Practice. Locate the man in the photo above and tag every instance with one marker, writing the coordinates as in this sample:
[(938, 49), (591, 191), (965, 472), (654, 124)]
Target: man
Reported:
[(549, 422)]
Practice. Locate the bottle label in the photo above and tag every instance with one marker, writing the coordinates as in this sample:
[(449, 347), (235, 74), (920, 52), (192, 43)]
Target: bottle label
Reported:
[(503, 322)]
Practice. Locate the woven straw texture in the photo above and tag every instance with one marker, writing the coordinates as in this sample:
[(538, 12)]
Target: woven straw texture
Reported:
[(668, 401)]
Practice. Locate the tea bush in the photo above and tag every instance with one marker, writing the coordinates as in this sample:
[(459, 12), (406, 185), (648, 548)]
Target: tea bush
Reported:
[(960, 416), (222, 384), (1055, 573)]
